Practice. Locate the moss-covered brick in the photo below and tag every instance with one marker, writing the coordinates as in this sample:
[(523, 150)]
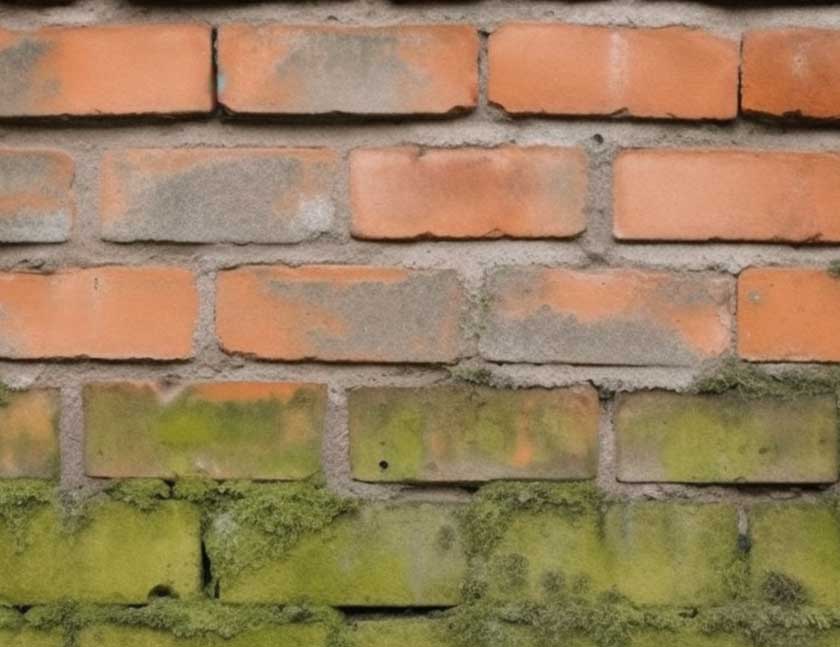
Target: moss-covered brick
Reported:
[(218, 430), (673, 553), (467, 433), (671, 437), (31, 638), (302, 635), (119, 554), (411, 632), (29, 433), (686, 638), (381, 555), (800, 542)]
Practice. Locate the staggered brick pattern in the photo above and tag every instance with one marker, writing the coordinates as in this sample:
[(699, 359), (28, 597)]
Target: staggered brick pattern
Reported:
[(468, 324)]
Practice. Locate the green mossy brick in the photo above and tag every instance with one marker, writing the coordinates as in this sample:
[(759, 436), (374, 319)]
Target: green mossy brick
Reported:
[(381, 555), (29, 433), (119, 555), (676, 554), (419, 632), (671, 437), (31, 638), (686, 638), (471, 434), (225, 430), (800, 542), (302, 635)]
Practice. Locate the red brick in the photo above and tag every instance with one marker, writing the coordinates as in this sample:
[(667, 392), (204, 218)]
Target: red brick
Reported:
[(109, 70), (409, 192), (625, 317), (792, 73), (563, 69), (340, 313), (240, 195), (788, 314), (36, 200), (29, 433), (282, 69), (105, 313), (727, 195)]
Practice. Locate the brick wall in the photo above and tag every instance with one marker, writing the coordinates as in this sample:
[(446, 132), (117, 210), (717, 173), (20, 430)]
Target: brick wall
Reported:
[(361, 323)]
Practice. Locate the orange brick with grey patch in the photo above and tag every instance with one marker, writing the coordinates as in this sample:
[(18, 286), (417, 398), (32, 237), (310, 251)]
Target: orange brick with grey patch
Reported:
[(36, 198), (221, 430), (29, 433), (470, 434), (564, 69), (237, 195), (340, 313), (106, 70), (791, 73), (283, 69), (110, 312), (788, 314), (732, 195), (625, 317), (518, 192)]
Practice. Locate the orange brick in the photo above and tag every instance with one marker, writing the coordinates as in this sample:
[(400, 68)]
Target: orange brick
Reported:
[(788, 314), (408, 192), (625, 317), (340, 313), (111, 70), (727, 195), (283, 69), (562, 69), (792, 73), (105, 312), (29, 433)]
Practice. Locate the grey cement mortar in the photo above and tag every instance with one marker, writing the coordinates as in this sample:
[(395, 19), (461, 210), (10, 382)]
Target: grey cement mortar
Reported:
[(86, 142)]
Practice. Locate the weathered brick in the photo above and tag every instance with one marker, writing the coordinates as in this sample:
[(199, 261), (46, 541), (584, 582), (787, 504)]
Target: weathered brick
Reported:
[(675, 554), (409, 192), (800, 542), (302, 635), (791, 73), (671, 437), (120, 555), (237, 195), (31, 638), (564, 69), (211, 430), (788, 314), (706, 195), (283, 69), (463, 434), (340, 313), (605, 317), (687, 638), (381, 556), (36, 200), (422, 632), (103, 312), (106, 70), (29, 433)]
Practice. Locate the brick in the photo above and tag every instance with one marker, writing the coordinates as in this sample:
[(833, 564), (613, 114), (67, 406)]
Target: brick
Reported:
[(103, 312), (381, 556), (564, 69), (788, 314), (36, 198), (516, 192), (791, 73), (340, 313), (209, 430), (107, 70), (31, 638), (629, 317), (467, 434), (241, 195), (118, 556), (673, 553), (29, 433), (283, 69), (687, 638), (801, 542), (680, 438), (302, 635), (423, 632), (732, 195)]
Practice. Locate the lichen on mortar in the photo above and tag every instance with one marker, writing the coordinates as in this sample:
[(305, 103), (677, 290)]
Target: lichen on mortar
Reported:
[(750, 381)]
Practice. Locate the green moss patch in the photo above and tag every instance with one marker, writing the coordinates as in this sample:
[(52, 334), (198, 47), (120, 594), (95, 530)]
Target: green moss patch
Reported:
[(750, 381)]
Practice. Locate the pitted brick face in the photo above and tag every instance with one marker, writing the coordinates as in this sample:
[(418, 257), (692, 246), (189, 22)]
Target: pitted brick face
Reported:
[(29, 434)]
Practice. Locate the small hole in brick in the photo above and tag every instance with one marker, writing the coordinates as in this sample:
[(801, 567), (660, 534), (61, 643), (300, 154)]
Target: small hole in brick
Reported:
[(598, 138), (383, 465), (162, 591)]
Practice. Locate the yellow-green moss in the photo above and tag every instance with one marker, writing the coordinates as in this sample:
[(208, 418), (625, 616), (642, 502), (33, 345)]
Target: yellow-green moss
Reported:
[(750, 381)]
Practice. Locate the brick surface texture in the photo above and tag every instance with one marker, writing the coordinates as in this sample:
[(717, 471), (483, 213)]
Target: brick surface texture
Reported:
[(369, 323)]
